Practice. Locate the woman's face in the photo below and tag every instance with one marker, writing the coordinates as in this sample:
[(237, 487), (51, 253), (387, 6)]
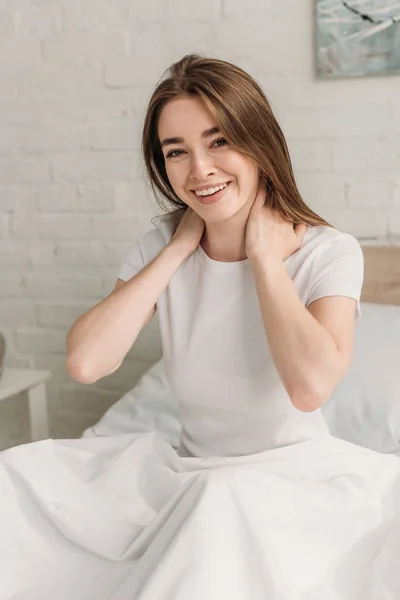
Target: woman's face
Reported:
[(200, 158)]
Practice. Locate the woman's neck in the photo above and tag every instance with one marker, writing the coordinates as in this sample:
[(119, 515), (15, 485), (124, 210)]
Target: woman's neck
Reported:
[(225, 241), (224, 246)]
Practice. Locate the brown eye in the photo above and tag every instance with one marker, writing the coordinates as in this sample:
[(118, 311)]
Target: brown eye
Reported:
[(221, 140), (171, 154)]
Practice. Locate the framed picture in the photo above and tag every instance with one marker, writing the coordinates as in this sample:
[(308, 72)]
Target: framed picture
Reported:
[(357, 37)]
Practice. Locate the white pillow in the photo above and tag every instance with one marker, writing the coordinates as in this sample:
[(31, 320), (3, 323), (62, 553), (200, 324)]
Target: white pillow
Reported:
[(364, 409)]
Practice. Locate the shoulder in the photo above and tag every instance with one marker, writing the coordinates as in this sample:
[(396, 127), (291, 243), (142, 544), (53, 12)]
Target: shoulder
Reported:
[(323, 244), (328, 258), (323, 237), (334, 265), (154, 240), (147, 246), (165, 226)]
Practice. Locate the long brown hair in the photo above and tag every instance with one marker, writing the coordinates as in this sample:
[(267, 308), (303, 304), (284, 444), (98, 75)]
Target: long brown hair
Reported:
[(244, 116)]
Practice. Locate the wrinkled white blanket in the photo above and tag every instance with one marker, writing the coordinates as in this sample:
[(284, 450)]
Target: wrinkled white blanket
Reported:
[(126, 518)]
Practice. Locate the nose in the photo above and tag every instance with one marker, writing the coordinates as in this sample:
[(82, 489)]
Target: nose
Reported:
[(201, 166)]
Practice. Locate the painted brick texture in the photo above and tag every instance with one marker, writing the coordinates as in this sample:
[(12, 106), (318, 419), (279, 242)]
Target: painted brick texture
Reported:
[(75, 79)]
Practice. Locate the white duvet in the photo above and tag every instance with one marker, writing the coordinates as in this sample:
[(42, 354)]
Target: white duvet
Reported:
[(126, 518)]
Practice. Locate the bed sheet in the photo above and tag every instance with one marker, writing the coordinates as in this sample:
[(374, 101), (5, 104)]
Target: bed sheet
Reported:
[(125, 518)]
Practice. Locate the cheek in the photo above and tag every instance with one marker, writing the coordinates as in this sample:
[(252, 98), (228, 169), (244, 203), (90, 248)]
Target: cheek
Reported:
[(175, 177), (242, 166), (252, 175), (177, 181)]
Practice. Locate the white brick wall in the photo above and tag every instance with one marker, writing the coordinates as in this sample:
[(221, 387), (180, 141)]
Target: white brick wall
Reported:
[(75, 78)]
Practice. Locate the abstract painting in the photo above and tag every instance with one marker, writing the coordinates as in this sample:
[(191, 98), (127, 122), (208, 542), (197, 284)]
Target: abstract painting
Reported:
[(357, 37)]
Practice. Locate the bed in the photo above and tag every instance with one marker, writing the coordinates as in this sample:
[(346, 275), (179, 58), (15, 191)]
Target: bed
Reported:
[(382, 275), (365, 407), (125, 517)]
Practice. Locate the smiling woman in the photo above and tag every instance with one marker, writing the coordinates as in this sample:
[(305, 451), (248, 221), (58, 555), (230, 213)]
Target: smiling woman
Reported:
[(256, 297), (205, 170), (217, 119), (208, 125)]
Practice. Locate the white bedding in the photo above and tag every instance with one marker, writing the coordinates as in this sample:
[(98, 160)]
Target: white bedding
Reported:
[(126, 518), (119, 515)]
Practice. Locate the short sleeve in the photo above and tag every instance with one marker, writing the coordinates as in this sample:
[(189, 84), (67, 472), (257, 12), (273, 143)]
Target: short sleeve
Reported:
[(132, 264), (338, 270), (144, 250)]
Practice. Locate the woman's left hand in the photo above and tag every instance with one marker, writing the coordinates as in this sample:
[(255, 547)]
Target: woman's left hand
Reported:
[(268, 235)]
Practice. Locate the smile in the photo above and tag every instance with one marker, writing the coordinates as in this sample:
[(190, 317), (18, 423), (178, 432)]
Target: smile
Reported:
[(214, 196)]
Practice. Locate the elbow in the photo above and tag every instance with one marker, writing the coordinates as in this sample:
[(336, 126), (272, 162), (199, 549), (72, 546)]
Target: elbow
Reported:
[(315, 393), (308, 400), (77, 368), (84, 373), (79, 371)]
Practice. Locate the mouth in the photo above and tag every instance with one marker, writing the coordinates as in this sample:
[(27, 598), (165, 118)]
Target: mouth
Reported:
[(212, 198)]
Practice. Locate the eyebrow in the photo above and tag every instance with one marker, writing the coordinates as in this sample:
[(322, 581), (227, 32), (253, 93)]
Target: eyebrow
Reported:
[(180, 140)]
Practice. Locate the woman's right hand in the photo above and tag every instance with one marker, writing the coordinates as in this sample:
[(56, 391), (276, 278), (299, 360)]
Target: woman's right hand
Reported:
[(189, 231)]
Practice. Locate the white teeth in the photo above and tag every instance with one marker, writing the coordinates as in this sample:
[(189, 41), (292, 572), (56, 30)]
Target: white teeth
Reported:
[(210, 191)]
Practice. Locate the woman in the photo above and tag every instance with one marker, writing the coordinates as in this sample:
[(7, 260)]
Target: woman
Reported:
[(257, 298)]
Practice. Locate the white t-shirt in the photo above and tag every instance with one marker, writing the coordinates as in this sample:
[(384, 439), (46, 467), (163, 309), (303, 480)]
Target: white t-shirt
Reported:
[(217, 360)]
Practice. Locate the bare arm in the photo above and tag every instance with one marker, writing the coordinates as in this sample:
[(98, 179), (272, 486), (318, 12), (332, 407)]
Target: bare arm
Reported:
[(311, 348), (99, 340), (151, 314)]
